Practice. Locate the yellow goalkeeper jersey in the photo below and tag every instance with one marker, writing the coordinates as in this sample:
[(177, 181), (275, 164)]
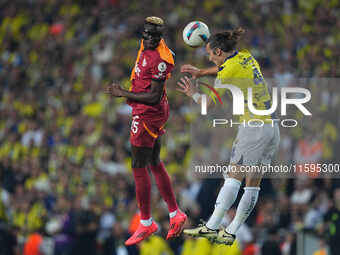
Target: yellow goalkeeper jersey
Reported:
[(242, 70)]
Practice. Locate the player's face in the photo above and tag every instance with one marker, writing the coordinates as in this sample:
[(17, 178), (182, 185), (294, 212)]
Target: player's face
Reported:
[(214, 55), (151, 37), (151, 42)]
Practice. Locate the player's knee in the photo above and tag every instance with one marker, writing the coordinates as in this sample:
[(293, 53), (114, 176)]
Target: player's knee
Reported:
[(236, 174), (253, 182)]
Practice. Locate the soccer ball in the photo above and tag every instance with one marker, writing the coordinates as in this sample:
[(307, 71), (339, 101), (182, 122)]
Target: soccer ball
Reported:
[(196, 33)]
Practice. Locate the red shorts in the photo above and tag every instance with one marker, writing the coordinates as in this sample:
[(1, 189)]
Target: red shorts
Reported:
[(145, 131)]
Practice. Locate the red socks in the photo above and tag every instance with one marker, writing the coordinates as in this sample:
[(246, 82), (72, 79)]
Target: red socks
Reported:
[(143, 191), (164, 186)]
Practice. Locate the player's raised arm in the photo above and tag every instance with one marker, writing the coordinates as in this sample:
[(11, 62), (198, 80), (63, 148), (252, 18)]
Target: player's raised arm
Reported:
[(152, 97), (197, 72)]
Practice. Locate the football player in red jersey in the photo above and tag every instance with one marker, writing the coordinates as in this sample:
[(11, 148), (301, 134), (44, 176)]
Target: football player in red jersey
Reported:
[(150, 111)]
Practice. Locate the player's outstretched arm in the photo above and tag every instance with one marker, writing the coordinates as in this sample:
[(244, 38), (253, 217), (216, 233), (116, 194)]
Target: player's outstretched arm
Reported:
[(197, 72), (152, 97), (186, 86)]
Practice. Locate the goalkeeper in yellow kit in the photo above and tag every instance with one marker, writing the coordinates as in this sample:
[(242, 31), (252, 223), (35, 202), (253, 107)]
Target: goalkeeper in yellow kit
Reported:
[(252, 146)]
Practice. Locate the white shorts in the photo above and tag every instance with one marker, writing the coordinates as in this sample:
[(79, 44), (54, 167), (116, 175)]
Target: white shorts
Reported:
[(255, 145)]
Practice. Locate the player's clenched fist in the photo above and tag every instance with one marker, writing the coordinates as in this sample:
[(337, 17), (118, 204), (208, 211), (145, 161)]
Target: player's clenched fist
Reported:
[(114, 90)]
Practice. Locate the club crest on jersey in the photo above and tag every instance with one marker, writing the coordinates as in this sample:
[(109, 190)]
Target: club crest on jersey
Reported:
[(144, 63), (161, 67)]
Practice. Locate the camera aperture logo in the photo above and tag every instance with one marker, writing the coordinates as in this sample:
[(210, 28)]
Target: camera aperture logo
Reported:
[(239, 106)]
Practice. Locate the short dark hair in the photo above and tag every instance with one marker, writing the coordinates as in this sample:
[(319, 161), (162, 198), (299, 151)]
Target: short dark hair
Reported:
[(226, 41)]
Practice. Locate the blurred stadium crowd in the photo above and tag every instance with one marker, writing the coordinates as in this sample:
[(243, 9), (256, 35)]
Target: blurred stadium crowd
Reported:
[(65, 181)]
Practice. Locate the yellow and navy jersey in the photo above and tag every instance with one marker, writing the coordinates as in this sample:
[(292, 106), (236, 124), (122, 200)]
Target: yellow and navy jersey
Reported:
[(242, 70)]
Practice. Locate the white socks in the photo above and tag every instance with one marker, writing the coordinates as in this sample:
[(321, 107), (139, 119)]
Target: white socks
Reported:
[(147, 222), (245, 207), (226, 198)]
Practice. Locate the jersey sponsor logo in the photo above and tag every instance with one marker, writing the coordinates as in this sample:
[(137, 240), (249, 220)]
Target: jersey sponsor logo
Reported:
[(161, 67)]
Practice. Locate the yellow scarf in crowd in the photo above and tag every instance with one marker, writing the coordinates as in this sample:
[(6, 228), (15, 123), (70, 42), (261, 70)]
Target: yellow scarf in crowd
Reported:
[(164, 52)]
